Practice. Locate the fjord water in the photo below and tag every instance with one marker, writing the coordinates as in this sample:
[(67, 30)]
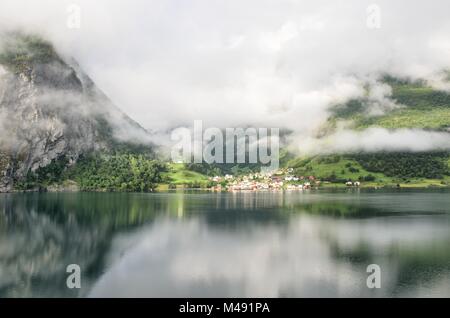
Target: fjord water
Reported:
[(201, 244)]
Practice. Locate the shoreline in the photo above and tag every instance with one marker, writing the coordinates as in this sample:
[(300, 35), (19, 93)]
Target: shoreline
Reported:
[(181, 189)]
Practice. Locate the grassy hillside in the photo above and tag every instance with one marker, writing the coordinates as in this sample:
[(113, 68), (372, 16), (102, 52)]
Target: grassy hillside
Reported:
[(333, 168), (178, 175), (336, 170), (378, 170), (420, 106)]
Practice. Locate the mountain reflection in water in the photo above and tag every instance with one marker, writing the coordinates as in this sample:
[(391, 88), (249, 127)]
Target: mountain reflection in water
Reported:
[(197, 244)]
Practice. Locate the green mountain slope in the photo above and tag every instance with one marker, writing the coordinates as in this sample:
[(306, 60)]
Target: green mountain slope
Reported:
[(420, 106), (379, 169)]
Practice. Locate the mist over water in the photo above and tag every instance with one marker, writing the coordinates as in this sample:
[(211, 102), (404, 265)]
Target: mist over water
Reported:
[(231, 244)]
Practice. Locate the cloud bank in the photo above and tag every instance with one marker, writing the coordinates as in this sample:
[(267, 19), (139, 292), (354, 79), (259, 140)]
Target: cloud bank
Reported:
[(264, 63), (376, 139)]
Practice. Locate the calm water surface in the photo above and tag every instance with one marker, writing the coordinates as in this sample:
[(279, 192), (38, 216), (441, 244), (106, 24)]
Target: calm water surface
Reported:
[(313, 244)]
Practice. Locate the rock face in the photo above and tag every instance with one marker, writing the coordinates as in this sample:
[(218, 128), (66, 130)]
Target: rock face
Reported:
[(49, 108)]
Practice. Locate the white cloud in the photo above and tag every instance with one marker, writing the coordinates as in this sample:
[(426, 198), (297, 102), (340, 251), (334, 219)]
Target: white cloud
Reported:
[(230, 63), (376, 139)]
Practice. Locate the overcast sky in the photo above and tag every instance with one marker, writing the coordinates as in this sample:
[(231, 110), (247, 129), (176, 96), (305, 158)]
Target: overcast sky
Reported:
[(268, 63)]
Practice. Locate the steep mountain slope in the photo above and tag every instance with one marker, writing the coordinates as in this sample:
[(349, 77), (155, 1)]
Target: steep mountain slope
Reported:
[(49, 108), (413, 105)]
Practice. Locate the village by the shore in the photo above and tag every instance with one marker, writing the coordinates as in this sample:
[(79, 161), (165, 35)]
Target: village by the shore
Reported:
[(269, 181)]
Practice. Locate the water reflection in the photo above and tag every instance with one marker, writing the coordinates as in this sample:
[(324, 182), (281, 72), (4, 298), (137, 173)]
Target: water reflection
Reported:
[(232, 244)]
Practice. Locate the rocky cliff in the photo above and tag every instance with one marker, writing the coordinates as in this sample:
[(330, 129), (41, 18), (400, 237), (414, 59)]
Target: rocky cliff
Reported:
[(49, 108)]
